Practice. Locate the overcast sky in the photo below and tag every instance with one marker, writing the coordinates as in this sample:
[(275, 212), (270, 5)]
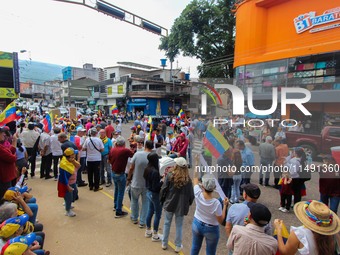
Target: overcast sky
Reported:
[(71, 35)]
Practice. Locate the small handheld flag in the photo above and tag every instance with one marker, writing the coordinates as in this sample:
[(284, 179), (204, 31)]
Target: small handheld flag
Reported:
[(9, 114)]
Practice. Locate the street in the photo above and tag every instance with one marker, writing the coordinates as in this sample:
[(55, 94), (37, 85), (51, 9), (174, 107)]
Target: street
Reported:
[(95, 230)]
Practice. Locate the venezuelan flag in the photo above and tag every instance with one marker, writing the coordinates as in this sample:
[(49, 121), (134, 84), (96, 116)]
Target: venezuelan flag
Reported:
[(215, 142), (181, 114), (284, 234), (47, 121), (66, 169), (9, 114), (114, 109)]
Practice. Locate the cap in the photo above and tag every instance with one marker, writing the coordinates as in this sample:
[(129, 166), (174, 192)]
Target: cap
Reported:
[(81, 129), (252, 190), (9, 194), (170, 132), (11, 225), (182, 124), (182, 134), (18, 245), (208, 182), (69, 151), (180, 162), (133, 128), (260, 213)]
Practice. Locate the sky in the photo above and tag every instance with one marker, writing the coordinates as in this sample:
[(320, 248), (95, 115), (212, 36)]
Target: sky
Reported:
[(72, 35)]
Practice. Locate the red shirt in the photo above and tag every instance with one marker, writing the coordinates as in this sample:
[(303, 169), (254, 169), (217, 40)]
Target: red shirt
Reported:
[(109, 129), (8, 170), (118, 158), (181, 146)]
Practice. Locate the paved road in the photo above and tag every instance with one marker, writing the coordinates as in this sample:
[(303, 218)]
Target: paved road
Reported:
[(95, 230)]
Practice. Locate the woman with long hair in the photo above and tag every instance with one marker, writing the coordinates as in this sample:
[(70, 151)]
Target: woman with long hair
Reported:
[(237, 178), (153, 184), (297, 163), (177, 193), (319, 234)]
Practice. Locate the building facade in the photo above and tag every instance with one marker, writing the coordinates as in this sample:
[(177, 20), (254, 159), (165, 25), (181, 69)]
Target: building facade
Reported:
[(289, 43)]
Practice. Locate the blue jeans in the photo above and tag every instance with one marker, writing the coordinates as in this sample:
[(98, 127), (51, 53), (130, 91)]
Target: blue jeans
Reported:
[(80, 170), (333, 202), (120, 181), (135, 194), (235, 193), (105, 165), (34, 209), (154, 208), (266, 163), (74, 192), (211, 234), (166, 229), (68, 200), (190, 156)]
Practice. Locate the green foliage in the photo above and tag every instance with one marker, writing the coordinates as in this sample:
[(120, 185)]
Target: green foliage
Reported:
[(205, 30)]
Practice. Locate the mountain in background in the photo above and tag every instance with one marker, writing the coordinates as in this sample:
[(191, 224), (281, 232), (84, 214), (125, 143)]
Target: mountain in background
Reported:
[(39, 72)]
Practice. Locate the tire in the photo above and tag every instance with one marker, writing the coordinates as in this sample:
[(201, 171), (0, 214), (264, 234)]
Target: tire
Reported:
[(309, 149)]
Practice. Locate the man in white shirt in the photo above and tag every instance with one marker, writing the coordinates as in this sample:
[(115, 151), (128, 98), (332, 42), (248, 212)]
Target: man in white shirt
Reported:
[(57, 152), (93, 147), (29, 138), (46, 155)]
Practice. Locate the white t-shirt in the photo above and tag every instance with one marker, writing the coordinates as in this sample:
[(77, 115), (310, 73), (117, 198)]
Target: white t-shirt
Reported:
[(305, 237), (92, 153), (169, 142), (206, 210), (56, 146)]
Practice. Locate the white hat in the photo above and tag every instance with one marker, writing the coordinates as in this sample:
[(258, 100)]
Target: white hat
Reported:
[(180, 162)]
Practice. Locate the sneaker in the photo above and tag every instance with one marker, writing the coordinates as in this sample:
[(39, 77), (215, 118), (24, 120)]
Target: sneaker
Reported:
[(83, 184), (70, 213), (164, 246), (114, 209), (156, 238), (281, 208), (148, 233), (120, 215), (284, 210), (108, 184), (56, 178), (141, 226), (134, 221), (178, 248), (100, 188)]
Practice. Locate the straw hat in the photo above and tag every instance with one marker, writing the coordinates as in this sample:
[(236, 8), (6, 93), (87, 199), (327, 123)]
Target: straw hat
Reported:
[(317, 217)]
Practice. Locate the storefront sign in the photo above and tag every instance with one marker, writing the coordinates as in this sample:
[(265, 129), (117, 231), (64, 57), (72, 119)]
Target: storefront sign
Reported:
[(309, 20), (8, 93)]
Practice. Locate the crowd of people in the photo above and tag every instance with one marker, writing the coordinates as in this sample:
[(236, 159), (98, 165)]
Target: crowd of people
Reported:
[(96, 146)]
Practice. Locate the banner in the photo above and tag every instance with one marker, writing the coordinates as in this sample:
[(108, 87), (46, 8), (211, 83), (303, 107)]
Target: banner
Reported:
[(8, 93), (6, 59)]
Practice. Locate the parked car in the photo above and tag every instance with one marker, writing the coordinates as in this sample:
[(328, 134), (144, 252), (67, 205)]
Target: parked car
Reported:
[(63, 110), (315, 144)]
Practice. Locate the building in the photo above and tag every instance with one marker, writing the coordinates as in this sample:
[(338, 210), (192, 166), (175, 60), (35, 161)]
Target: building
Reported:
[(76, 92), (136, 87), (290, 43), (88, 71)]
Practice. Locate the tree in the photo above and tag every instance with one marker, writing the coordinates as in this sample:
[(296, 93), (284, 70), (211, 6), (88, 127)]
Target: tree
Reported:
[(205, 30)]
